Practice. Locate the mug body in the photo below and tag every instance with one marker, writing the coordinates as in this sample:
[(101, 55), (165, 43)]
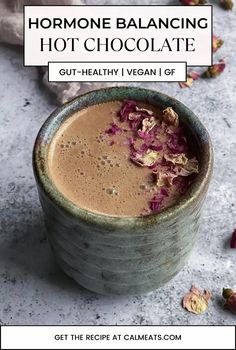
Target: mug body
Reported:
[(121, 255)]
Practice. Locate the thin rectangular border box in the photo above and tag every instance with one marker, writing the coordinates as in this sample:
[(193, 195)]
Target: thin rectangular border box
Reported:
[(94, 6), (116, 81)]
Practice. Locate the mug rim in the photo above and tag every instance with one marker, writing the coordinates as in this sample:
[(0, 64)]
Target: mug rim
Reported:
[(59, 115)]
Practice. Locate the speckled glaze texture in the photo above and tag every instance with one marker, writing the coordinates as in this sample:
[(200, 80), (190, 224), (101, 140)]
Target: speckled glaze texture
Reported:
[(115, 255)]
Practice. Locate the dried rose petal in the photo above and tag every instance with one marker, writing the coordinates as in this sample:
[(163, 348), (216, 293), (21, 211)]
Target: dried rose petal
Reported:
[(227, 4), (148, 124), (170, 117), (111, 142), (179, 159), (155, 147), (164, 192), (113, 129), (164, 178), (147, 111), (194, 75), (148, 158), (195, 301), (128, 107), (190, 78), (217, 43), (134, 115), (191, 167), (215, 70), (193, 2), (187, 83), (233, 240), (230, 296), (177, 144), (156, 202)]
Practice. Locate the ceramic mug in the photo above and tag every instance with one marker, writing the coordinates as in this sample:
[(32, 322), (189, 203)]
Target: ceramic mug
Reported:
[(122, 255)]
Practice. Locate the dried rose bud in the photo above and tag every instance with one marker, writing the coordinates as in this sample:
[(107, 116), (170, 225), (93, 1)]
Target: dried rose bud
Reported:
[(233, 240), (227, 4), (190, 78), (230, 297), (195, 301), (170, 116), (215, 70), (217, 43), (193, 2)]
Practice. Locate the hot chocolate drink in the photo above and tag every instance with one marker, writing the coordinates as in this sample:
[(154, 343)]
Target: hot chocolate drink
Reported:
[(122, 158)]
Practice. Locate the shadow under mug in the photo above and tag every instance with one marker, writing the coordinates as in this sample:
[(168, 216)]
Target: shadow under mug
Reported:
[(122, 255)]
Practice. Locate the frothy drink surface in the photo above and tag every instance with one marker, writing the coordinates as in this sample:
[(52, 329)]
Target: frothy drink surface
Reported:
[(91, 164)]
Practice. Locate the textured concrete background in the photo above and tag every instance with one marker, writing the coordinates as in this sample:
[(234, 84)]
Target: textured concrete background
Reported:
[(33, 290)]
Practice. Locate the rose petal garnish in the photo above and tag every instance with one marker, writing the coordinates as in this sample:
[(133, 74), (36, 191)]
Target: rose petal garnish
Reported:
[(170, 117), (179, 159), (148, 158), (148, 124), (190, 78), (195, 301), (187, 169), (227, 4), (217, 43), (113, 129), (193, 2), (176, 143), (215, 70), (159, 144), (128, 107), (156, 147), (233, 240), (111, 142), (164, 178), (156, 202), (144, 110), (230, 296), (164, 192), (134, 115)]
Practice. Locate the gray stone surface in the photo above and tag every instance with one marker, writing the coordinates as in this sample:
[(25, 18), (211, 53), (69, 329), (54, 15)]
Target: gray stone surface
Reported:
[(33, 290)]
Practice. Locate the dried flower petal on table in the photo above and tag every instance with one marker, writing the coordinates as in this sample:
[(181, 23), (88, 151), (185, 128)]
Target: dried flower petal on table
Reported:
[(230, 296), (195, 301), (215, 70), (190, 78), (170, 116), (217, 43), (193, 2), (227, 4), (233, 240)]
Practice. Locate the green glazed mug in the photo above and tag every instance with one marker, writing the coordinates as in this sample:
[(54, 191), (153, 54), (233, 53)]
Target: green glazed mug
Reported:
[(122, 255)]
